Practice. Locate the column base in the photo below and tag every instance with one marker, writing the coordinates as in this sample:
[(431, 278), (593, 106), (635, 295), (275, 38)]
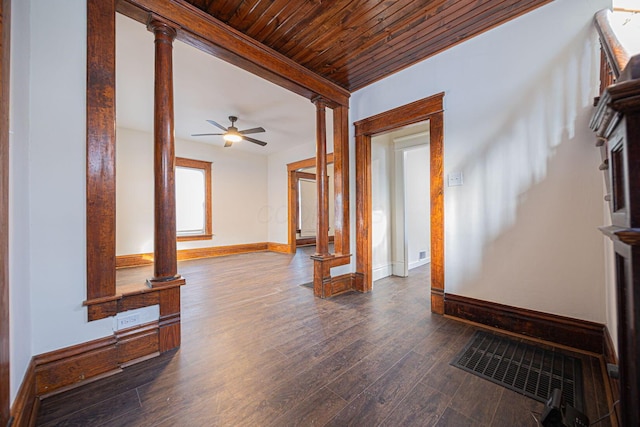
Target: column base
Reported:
[(161, 282)]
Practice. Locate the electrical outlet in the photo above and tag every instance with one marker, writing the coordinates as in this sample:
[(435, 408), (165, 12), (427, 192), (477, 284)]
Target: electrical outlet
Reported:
[(128, 321)]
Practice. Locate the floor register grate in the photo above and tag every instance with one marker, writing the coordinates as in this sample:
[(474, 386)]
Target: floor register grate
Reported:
[(524, 368)]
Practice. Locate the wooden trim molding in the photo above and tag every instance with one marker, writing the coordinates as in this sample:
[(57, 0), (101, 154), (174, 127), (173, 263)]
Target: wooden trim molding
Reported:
[(208, 226), (71, 367), (282, 248), (26, 404), (431, 109), (5, 84), (138, 260), (574, 333)]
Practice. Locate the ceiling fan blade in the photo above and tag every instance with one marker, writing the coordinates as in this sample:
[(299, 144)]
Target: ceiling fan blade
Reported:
[(252, 130), (217, 125), (205, 134), (228, 143), (255, 141)]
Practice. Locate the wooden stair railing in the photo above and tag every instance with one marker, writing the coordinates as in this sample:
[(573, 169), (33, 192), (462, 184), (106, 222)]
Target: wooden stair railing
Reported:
[(614, 57), (616, 123)]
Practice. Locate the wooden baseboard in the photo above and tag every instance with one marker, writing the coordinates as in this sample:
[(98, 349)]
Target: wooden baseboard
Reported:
[(25, 407), (137, 260), (71, 367), (282, 248), (574, 333)]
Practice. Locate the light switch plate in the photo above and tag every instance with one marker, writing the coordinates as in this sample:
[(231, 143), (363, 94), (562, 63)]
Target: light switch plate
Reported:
[(455, 179)]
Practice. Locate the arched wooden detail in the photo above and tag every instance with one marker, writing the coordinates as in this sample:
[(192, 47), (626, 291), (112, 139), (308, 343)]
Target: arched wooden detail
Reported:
[(431, 109)]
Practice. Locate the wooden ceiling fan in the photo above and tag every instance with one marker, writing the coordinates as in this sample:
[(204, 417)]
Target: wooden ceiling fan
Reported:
[(232, 134)]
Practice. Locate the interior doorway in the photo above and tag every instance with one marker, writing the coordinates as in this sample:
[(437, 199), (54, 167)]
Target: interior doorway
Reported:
[(400, 201), (430, 109), (303, 200)]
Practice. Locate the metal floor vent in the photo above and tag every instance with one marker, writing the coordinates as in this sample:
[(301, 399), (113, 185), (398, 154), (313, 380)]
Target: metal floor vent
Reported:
[(524, 368)]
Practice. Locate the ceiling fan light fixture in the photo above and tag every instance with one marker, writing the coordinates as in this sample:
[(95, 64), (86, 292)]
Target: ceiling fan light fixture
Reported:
[(232, 136)]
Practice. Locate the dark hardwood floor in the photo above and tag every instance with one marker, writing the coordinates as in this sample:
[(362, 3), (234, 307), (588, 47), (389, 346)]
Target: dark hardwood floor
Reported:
[(259, 350)]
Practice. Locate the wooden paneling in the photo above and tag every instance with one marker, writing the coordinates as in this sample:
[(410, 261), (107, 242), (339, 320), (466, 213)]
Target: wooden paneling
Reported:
[(354, 43), (202, 31), (73, 365), (5, 356), (137, 260), (425, 109), (137, 343), (575, 333)]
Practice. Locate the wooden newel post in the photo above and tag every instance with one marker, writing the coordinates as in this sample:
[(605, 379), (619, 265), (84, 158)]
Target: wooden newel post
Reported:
[(322, 231), (165, 261)]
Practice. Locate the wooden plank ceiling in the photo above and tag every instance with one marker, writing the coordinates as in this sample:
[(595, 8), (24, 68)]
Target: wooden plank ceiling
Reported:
[(356, 42)]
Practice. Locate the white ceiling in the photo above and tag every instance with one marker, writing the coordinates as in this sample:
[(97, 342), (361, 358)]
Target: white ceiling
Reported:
[(207, 88)]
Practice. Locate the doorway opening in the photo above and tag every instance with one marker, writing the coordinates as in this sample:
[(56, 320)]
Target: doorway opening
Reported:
[(302, 206), (400, 201), (428, 109)]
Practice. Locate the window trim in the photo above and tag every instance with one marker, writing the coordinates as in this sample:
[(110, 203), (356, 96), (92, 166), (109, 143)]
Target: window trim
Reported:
[(206, 168)]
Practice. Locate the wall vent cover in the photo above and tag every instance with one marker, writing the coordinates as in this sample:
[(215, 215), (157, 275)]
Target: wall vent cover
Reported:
[(527, 369)]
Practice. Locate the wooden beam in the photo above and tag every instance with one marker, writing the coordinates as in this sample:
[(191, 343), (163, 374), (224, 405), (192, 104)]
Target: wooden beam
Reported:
[(101, 153), (206, 33)]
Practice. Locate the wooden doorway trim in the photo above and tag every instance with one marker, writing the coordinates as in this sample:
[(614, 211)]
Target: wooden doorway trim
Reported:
[(431, 109), (5, 357), (292, 196)]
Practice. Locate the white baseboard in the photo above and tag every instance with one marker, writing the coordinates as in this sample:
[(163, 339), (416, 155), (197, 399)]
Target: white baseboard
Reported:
[(419, 263), (381, 272)]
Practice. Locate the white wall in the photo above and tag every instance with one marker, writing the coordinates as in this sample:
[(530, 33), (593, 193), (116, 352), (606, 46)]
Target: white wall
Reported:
[(382, 171), (19, 285), (522, 230), (417, 204), (56, 177), (238, 187)]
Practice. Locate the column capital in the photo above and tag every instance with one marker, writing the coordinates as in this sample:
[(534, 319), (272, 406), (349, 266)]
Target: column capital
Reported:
[(161, 28), (319, 101)]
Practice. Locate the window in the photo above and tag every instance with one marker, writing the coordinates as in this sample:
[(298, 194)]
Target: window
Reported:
[(193, 199)]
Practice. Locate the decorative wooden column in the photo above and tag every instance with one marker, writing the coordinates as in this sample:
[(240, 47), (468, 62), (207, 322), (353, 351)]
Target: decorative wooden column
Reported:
[(165, 274), (165, 261), (322, 226), (321, 267)]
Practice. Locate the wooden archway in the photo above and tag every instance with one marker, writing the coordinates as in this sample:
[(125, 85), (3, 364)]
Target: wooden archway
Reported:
[(431, 109)]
